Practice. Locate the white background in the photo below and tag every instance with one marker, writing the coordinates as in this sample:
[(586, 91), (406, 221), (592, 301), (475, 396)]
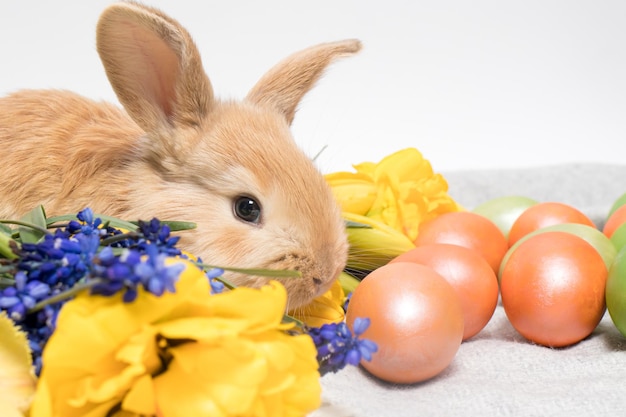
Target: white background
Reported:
[(472, 84)]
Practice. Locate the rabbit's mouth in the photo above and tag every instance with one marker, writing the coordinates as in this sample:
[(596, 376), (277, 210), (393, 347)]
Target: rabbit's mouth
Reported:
[(315, 279), (317, 282)]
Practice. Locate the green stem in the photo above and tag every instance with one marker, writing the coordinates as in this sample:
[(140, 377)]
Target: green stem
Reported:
[(25, 224), (6, 282), (289, 319), (275, 273), (118, 238), (226, 283)]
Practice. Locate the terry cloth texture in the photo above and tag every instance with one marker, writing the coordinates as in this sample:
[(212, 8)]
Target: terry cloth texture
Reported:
[(498, 372)]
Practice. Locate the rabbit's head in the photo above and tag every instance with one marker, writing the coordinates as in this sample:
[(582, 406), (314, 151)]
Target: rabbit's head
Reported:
[(230, 166)]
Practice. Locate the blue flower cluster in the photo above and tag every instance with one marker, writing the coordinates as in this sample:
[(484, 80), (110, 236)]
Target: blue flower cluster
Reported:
[(141, 264), (338, 347), (75, 256)]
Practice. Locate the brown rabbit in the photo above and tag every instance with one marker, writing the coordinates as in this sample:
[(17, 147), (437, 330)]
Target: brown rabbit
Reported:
[(179, 153)]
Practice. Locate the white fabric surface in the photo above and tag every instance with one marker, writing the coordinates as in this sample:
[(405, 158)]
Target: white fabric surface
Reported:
[(498, 372)]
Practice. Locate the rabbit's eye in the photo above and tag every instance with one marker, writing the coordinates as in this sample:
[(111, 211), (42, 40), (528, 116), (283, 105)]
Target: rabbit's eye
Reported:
[(247, 209)]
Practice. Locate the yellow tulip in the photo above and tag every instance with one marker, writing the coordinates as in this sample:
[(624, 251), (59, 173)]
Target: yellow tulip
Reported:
[(355, 192), (17, 380), (373, 245), (327, 308), (401, 191), (409, 192), (181, 354)]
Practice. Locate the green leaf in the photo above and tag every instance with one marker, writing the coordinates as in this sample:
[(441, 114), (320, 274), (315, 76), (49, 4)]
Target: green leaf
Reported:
[(290, 319), (15, 233), (226, 283), (348, 282), (6, 229), (175, 225), (36, 217), (260, 272), (58, 219), (357, 225)]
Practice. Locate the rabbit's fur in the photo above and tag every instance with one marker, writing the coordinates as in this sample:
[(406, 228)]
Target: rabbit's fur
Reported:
[(178, 153)]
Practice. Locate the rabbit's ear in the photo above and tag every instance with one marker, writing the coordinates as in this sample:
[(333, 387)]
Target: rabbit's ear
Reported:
[(154, 67), (284, 85)]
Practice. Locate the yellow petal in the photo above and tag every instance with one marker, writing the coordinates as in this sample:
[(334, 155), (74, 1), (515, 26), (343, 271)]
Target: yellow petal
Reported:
[(42, 403), (17, 380), (141, 398), (407, 191), (354, 192), (94, 390), (327, 308), (204, 329), (262, 308), (140, 349), (260, 376), (406, 164), (388, 206), (366, 168), (208, 378), (296, 391), (307, 392), (344, 177)]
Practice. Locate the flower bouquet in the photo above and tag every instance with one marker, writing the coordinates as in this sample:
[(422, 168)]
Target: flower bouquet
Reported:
[(104, 317)]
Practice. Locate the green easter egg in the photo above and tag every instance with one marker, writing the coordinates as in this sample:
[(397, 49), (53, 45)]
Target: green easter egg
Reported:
[(616, 291), (619, 237), (503, 211), (621, 200)]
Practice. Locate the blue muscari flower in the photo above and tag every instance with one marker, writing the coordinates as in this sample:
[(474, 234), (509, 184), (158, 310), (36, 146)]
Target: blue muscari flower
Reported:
[(39, 327), (217, 286), (116, 273), (338, 347), (154, 232), (154, 275), (57, 260), (86, 216), (134, 269), (16, 300), (212, 275), (86, 225)]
